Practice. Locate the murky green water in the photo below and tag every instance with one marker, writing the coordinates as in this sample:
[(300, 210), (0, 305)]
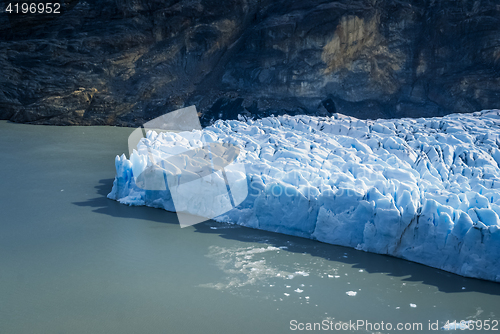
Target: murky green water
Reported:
[(72, 261)]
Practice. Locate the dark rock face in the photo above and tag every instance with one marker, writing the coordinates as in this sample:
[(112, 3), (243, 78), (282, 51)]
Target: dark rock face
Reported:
[(126, 61)]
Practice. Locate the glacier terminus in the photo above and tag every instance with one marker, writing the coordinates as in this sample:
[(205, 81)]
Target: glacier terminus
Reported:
[(426, 190)]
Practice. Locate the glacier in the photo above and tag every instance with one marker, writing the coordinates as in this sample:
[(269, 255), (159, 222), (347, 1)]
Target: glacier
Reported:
[(426, 190)]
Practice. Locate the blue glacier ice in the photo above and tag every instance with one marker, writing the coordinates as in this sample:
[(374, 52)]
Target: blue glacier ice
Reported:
[(426, 190)]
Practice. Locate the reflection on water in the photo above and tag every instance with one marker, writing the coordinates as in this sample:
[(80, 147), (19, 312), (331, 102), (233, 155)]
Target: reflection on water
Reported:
[(244, 266), (325, 282), (268, 270)]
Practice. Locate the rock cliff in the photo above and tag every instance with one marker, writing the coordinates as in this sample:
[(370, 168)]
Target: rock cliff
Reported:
[(126, 61)]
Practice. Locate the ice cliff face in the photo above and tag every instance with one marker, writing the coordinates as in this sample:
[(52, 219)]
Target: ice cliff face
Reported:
[(426, 190)]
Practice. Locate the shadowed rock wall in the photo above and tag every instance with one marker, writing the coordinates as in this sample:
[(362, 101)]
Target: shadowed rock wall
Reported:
[(126, 61)]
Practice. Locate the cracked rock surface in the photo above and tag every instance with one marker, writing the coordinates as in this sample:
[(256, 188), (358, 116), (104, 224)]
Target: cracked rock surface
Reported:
[(124, 62)]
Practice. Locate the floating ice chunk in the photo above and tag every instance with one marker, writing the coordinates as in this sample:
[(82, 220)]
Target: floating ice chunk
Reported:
[(463, 325)]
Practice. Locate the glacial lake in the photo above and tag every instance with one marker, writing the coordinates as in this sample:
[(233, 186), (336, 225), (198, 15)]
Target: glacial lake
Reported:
[(73, 261)]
